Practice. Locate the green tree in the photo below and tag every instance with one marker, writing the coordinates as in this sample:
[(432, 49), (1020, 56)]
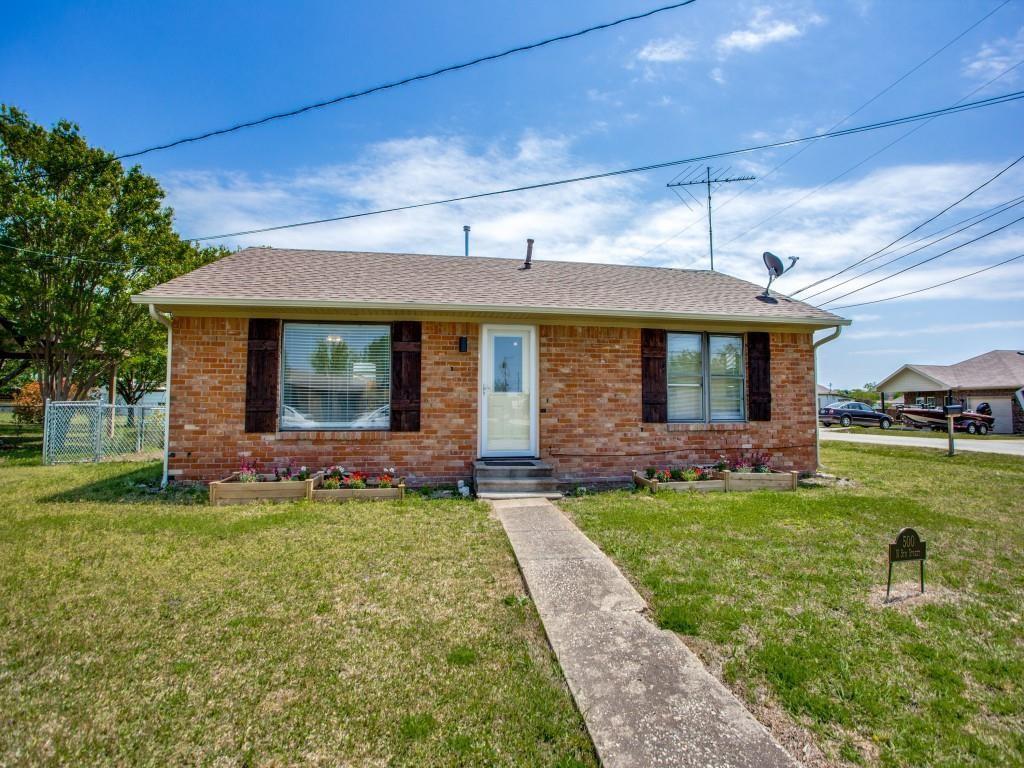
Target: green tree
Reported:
[(90, 234), (331, 358)]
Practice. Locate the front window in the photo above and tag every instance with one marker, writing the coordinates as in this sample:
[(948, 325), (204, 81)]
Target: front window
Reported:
[(335, 376), (705, 377)]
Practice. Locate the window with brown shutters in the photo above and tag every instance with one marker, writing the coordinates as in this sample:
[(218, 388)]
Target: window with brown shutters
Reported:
[(261, 375), (406, 348), (759, 375), (654, 381)]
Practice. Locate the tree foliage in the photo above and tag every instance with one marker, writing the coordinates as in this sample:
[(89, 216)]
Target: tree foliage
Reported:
[(91, 235)]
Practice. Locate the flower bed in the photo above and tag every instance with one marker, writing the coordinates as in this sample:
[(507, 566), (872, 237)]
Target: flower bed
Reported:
[(248, 485), (693, 479), (337, 484), (770, 480), (747, 474)]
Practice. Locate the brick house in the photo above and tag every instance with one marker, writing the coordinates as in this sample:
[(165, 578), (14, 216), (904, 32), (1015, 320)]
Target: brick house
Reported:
[(995, 377), (429, 363)]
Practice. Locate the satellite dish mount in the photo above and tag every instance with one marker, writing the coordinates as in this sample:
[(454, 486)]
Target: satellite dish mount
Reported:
[(775, 268)]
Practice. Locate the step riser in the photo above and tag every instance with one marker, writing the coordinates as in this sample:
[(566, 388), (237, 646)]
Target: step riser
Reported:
[(507, 487), (490, 472)]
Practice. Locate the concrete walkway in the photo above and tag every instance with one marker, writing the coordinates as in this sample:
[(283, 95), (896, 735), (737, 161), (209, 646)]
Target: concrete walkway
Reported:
[(987, 445), (646, 698)]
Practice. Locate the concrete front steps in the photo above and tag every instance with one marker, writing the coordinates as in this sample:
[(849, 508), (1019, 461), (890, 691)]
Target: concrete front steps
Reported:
[(514, 479)]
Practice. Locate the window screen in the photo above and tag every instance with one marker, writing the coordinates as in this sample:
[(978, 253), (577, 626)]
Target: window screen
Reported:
[(336, 376), (705, 377)]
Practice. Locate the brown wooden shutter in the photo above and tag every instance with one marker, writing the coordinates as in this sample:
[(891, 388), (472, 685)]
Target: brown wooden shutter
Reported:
[(405, 376), (759, 376), (654, 374), (261, 375)]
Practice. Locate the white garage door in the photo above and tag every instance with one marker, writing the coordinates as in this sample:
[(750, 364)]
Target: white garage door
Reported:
[(1001, 408)]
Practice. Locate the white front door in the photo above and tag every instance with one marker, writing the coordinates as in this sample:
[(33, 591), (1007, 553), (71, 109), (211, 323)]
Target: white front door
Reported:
[(508, 391)]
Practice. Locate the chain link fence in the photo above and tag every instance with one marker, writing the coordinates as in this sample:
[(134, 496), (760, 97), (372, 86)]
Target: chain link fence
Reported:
[(87, 430)]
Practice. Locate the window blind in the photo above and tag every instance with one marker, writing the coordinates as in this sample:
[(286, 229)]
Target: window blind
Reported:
[(335, 376), (705, 377)]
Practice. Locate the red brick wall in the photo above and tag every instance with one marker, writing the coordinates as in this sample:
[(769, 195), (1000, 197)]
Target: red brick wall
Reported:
[(207, 420), (590, 424)]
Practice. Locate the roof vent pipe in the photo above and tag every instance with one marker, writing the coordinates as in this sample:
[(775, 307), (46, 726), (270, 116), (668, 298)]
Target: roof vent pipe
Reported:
[(529, 253), (465, 228)]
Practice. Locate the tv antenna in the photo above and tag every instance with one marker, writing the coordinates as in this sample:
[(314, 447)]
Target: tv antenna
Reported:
[(718, 177), (775, 268)]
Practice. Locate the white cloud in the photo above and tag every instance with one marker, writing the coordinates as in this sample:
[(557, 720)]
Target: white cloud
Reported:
[(996, 56), (617, 220), (717, 75), (865, 318), (933, 329), (666, 51), (763, 29)]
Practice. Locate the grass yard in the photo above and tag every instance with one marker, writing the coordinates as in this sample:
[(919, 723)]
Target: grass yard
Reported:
[(139, 629), (781, 592)]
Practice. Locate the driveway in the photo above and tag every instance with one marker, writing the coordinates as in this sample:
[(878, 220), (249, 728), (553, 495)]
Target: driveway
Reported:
[(988, 445)]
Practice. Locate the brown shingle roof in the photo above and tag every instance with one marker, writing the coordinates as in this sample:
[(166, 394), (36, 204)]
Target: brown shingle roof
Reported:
[(998, 369), (285, 277)]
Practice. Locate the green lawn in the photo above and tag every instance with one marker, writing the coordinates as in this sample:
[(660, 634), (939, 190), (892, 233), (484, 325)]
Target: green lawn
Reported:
[(897, 431), (782, 593), (144, 629)]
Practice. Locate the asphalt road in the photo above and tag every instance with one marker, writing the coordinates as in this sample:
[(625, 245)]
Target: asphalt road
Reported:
[(988, 445)]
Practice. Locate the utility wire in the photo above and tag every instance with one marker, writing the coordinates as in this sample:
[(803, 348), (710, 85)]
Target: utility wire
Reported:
[(953, 109), (386, 86), (909, 253), (927, 221), (867, 103), (925, 261), (857, 165), (52, 255), (930, 287)]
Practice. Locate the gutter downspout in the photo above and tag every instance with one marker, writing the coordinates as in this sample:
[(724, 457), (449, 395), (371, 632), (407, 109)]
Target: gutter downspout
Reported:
[(165, 321), (817, 422)]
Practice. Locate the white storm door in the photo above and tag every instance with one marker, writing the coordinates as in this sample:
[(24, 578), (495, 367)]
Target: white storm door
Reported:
[(508, 391)]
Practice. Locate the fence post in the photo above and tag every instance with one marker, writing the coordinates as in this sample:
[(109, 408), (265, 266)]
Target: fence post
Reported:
[(46, 432), (97, 431), (140, 426)]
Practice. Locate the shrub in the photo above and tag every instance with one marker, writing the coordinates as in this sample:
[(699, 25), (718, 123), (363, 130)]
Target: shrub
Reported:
[(28, 404)]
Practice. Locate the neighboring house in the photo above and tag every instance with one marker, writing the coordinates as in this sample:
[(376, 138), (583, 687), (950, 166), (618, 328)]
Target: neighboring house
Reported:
[(996, 378), (427, 363), (827, 396)]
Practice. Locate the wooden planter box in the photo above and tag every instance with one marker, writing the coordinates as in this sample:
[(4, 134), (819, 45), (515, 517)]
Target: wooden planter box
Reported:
[(230, 491), (344, 494), (758, 481), (704, 486)]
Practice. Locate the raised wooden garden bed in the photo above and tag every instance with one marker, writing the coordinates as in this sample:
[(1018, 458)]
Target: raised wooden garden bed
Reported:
[(704, 486), (758, 481), (345, 494), (231, 491)]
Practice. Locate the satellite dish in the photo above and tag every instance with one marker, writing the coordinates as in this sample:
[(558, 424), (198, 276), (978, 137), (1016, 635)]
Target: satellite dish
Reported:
[(775, 268)]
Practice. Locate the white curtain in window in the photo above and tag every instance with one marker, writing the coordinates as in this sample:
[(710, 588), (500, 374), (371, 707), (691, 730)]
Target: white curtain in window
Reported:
[(336, 376)]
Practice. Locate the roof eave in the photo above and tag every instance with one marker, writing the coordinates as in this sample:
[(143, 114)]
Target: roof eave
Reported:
[(219, 301)]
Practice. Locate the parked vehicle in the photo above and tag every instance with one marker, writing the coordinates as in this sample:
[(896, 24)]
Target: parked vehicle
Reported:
[(977, 422), (851, 412)]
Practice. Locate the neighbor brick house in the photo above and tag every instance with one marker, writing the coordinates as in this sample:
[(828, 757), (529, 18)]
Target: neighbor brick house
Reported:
[(427, 363), (996, 378)]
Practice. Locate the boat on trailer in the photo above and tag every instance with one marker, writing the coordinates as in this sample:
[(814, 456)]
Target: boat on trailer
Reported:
[(979, 421)]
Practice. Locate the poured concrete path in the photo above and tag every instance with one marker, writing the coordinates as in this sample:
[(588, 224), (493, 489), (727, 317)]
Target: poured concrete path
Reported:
[(646, 698)]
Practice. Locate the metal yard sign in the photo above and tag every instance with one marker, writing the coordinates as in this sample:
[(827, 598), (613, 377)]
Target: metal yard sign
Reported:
[(907, 548)]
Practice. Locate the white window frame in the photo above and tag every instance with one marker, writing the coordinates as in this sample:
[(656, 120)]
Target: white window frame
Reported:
[(706, 377), (281, 382)]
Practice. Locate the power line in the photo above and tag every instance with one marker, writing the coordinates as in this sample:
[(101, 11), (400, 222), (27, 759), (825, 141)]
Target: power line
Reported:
[(857, 165), (877, 267), (907, 234), (389, 85), (867, 103), (925, 261), (950, 110), (52, 255), (930, 287)]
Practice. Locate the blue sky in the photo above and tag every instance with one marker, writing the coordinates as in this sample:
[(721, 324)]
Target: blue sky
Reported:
[(712, 76)]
